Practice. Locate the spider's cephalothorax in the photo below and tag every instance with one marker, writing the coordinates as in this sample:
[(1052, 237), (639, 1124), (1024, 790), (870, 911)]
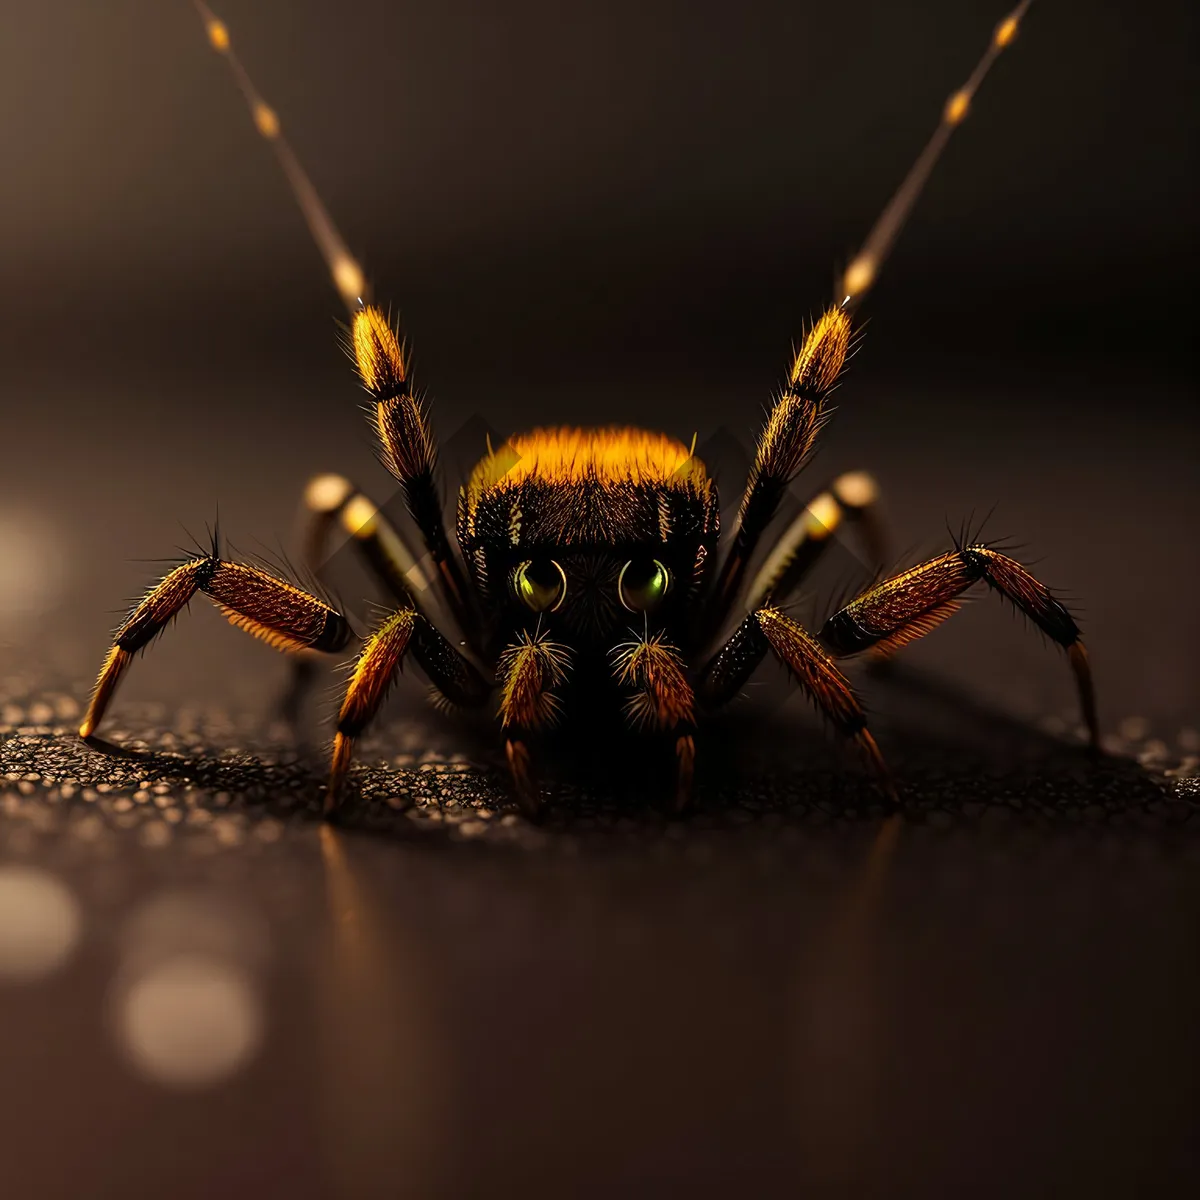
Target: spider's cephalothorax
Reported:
[(589, 558), (575, 529), (583, 547)]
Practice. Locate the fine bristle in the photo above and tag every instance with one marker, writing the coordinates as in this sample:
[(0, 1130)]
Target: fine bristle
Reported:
[(918, 627), (277, 639)]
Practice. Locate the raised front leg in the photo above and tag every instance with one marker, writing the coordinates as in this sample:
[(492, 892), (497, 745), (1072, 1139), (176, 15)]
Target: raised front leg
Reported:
[(909, 605), (408, 447), (278, 612), (785, 443)]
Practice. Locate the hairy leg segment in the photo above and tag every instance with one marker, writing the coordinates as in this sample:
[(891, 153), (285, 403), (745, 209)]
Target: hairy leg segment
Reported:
[(252, 599), (408, 448), (909, 605), (770, 630), (383, 655), (783, 447)]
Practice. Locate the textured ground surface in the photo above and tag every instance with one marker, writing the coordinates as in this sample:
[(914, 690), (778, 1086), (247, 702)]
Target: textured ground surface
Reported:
[(191, 769), (995, 996), (958, 761)]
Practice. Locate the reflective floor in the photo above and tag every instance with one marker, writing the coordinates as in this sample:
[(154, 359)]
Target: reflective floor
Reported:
[(205, 991)]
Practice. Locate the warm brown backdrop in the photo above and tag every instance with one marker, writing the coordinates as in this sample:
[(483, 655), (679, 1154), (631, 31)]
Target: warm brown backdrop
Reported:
[(623, 211)]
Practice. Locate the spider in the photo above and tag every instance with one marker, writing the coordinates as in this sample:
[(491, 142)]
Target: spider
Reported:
[(588, 561)]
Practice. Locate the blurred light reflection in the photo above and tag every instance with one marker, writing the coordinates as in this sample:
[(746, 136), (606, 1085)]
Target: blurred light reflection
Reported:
[(187, 1007), (39, 923), (190, 1021), (35, 564), (837, 1061), (195, 922), (385, 1085)]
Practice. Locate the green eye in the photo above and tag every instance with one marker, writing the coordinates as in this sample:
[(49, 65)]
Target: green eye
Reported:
[(642, 585), (540, 586)]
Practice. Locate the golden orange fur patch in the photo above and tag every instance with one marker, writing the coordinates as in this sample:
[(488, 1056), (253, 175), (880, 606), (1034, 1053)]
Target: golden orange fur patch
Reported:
[(819, 360), (375, 670), (618, 454), (377, 351)]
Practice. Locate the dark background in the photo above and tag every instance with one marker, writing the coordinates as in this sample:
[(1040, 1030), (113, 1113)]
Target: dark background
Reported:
[(607, 212), (595, 213)]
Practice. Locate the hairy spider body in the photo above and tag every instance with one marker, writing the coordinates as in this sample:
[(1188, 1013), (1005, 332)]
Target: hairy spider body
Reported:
[(591, 559)]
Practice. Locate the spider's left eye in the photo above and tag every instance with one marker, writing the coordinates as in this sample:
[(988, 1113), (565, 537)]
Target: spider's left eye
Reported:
[(643, 585), (541, 586)]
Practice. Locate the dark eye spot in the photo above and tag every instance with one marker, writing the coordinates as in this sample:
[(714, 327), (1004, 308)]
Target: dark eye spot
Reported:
[(540, 586), (642, 585)]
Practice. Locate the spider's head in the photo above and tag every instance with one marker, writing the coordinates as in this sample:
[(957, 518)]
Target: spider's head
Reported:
[(589, 532)]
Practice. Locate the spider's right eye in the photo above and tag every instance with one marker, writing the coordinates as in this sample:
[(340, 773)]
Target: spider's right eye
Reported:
[(642, 586), (541, 586)]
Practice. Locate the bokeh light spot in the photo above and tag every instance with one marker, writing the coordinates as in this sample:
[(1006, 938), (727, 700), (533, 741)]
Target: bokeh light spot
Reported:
[(35, 573), (39, 923), (190, 1021)]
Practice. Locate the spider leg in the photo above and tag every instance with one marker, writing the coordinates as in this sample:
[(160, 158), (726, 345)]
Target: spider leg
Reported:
[(407, 443), (768, 629), (783, 446), (252, 599), (849, 499), (529, 671), (909, 605), (662, 700), (375, 671), (408, 447), (331, 501)]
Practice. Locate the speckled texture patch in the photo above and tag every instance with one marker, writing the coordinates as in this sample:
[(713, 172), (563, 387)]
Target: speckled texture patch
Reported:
[(168, 773)]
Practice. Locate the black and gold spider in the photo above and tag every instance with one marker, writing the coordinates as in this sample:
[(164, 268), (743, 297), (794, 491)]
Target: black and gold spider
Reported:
[(588, 560)]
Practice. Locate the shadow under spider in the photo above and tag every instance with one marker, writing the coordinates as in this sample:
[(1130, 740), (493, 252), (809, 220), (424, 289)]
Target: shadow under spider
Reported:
[(955, 755)]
